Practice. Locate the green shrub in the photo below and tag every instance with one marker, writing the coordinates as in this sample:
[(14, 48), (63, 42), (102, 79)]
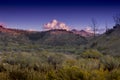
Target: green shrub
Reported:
[(74, 73), (47, 65), (114, 75), (55, 59), (2, 69), (4, 76), (18, 75), (98, 75), (71, 73), (109, 62), (91, 53)]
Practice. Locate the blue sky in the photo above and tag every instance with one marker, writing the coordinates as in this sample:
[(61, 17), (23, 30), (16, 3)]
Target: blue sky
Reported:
[(76, 14)]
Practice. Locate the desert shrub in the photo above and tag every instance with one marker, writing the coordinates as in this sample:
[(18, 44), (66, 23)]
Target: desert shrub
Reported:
[(2, 69), (91, 53), (98, 75), (51, 75), (45, 65), (77, 74), (93, 44), (114, 75), (88, 64), (18, 75), (55, 59), (4, 76), (71, 73), (42, 68), (23, 59), (36, 76), (70, 62), (109, 62)]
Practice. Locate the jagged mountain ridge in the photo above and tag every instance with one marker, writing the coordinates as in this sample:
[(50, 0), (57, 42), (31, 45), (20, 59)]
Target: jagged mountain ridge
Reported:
[(13, 31), (82, 33)]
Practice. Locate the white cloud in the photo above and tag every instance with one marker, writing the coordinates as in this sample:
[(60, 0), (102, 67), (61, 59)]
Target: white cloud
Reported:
[(54, 24), (32, 29), (3, 24), (89, 29)]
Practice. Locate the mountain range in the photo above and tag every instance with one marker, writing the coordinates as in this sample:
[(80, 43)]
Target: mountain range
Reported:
[(15, 39), (22, 39), (18, 31)]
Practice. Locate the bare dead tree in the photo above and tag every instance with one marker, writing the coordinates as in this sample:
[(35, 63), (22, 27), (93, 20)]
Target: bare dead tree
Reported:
[(106, 26), (117, 19), (94, 26)]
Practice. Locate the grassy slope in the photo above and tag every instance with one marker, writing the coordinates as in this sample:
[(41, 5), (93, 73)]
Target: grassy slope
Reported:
[(46, 64), (107, 43), (54, 40)]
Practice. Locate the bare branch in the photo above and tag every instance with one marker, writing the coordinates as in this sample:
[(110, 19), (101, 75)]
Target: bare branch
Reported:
[(116, 19), (94, 26)]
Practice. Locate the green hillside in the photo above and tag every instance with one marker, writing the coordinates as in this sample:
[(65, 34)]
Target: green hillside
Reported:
[(58, 55), (19, 40), (109, 42), (57, 38)]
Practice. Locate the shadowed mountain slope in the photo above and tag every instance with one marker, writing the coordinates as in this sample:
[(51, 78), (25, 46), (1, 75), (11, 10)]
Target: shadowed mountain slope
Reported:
[(23, 39), (57, 38)]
